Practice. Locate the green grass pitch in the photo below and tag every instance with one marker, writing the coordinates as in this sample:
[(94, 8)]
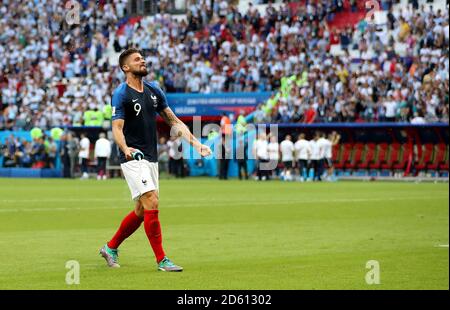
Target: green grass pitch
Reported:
[(228, 235)]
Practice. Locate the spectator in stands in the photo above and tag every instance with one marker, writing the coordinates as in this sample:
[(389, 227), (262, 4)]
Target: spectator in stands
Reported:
[(259, 116), (418, 118), (54, 78), (38, 154), (8, 151), (310, 114), (24, 154), (391, 107)]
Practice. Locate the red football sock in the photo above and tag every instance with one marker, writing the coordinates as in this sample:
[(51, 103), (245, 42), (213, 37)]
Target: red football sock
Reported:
[(153, 231), (128, 226)]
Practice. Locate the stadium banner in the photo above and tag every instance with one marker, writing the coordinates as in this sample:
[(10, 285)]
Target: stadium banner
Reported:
[(215, 104)]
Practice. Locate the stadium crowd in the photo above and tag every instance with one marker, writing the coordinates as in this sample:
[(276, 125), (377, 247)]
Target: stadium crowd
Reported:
[(39, 153), (54, 74)]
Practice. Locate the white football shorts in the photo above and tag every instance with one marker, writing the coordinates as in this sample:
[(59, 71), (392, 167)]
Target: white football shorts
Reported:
[(141, 176)]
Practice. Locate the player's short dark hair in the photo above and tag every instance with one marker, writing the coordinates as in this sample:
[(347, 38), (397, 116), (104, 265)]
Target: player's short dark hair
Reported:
[(123, 57)]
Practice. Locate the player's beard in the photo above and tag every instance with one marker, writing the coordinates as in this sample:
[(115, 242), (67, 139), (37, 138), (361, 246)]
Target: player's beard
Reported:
[(141, 72)]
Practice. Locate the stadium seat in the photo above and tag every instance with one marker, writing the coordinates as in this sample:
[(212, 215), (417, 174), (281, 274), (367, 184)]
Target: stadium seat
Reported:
[(345, 156), (336, 153), (381, 156), (356, 158), (369, 157), (426, 157), (438, 158), (444, 165), (406, 152), (394, 152)]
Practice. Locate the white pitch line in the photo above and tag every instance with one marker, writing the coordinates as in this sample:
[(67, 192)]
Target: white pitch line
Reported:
[(442, 246), (197, 204)]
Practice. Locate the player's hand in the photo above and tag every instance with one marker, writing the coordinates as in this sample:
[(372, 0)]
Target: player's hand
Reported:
[(129, 153), (204, 150)]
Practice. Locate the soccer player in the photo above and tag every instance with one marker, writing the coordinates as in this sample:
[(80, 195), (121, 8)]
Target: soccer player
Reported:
[(333, 139), (273, 149), (261, 154), (287, 157), (134, 107), (323, 144), (302, 153), (315, 157)]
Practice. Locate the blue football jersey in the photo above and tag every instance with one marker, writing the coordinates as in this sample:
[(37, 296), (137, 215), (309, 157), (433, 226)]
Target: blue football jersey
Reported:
[(138, 110)]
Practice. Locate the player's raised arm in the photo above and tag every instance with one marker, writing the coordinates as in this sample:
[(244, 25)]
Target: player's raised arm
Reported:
[(181, 130)]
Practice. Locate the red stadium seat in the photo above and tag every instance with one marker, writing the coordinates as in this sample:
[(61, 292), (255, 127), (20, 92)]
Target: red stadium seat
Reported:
[(345, 155), (370, 156), (404, 157), (438, 158), (426, 157), (444, 166), (336, 152), (356, 157), (394, 152), (381, 156)]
